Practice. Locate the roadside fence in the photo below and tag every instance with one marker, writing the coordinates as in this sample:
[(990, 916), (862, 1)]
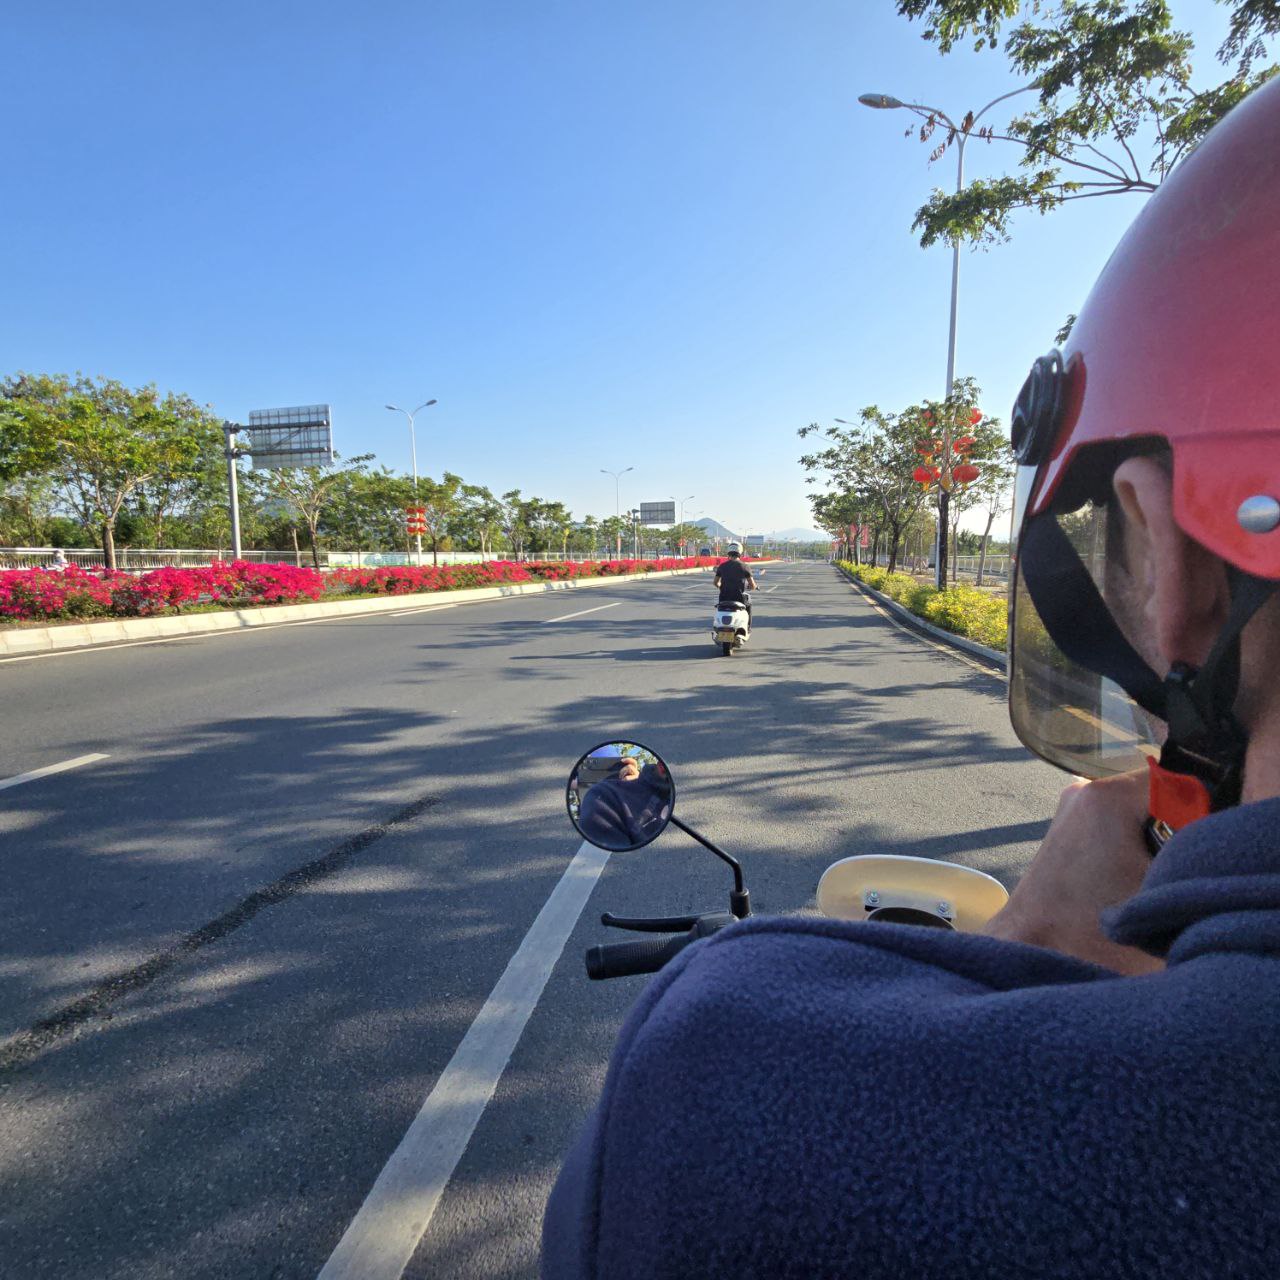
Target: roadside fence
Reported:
[(141, 559)]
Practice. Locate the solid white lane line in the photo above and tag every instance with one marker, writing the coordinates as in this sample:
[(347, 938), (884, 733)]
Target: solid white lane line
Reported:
[(768, 589), (18, 779), (398, 1210), (564, 617), (426, 608)]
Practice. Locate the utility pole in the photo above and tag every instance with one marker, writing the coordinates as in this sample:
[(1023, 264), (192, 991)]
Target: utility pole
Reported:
[(233, 452), (617, 504), (413, 451)]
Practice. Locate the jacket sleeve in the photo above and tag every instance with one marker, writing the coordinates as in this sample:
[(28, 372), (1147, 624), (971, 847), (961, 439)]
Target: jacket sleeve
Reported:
[(761, 1083)]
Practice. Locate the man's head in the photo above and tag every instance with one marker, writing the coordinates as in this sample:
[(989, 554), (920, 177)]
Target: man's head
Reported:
[(1149, 486), (733, 550)]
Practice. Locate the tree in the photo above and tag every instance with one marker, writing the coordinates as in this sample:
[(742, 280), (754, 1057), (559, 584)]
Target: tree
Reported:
[(28, 509), (836, 514), (874, 461), (1115, 111), (992, 490), (100, 441), (439, 500), (308, 491), (952, 437), (613, 529), (480, 518), (189, 496), (367, 509), (515, 527)]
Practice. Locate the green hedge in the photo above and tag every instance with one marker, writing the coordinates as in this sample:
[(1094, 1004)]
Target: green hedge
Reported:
[(962, 610)]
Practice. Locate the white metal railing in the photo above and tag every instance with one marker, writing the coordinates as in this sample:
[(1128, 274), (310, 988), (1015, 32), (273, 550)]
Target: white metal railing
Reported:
[(130, 558), (996, 566), (140, 559)]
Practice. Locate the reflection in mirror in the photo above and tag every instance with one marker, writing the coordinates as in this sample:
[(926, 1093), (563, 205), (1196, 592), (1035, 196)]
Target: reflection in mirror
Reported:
[(620, 796)]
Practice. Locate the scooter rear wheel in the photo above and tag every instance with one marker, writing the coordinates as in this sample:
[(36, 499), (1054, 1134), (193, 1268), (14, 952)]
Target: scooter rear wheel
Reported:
[(727, 647)]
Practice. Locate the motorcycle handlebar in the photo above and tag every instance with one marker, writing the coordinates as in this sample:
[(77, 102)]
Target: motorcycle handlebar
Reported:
[(624, 959)]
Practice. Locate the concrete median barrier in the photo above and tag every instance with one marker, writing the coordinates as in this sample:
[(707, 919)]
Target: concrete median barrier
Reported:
[(16, 641)]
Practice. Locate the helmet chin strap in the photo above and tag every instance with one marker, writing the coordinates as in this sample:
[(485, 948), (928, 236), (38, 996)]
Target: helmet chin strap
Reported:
[(1202, 761)]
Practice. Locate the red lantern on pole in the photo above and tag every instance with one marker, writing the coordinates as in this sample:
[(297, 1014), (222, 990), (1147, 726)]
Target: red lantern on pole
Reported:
[(975, 417), (966, 473), (923, 475), (964, 444)]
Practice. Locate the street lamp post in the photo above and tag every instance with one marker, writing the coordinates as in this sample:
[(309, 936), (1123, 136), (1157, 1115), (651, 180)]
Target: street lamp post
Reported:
[(887, 102), (413, 450), (617, 504), (680, 523)]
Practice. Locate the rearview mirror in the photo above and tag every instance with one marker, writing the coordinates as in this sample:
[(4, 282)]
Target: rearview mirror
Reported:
[(620, 796)]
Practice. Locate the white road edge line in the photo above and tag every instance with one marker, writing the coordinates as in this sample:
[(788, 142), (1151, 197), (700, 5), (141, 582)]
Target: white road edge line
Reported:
[(426, 608), (18, 779), (398, 1210), (564, 617)]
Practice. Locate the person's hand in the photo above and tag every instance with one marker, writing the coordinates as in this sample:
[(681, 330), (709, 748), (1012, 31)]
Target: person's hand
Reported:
[(1093, 856), (630, 770)]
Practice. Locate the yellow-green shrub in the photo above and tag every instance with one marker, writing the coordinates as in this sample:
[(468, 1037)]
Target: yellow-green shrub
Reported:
[(897, 586), (970, 613), (961, 610)]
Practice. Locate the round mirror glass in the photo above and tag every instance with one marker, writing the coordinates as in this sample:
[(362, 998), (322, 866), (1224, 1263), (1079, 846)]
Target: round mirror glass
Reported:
[(620, 795)]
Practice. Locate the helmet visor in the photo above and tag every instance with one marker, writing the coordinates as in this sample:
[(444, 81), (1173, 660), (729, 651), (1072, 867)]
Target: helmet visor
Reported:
[(1067, 714)]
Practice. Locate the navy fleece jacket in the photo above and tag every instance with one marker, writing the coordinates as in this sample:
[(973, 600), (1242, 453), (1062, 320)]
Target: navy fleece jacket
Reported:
[(810, 1098)]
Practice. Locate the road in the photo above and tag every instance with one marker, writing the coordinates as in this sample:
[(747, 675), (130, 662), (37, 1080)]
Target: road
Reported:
[(241, 948)]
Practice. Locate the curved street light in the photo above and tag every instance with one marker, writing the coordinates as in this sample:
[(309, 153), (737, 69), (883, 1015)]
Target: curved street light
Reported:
[(682, 501), (887, 102), (413, 449), (617, 503)]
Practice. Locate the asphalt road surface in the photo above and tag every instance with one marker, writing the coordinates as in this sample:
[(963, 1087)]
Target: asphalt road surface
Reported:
[(311, 878)]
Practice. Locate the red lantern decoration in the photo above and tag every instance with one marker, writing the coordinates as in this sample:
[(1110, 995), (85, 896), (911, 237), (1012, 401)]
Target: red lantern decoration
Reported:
[(975, 417), (923, 475), (925, 448), (965, 474), (964, 444)]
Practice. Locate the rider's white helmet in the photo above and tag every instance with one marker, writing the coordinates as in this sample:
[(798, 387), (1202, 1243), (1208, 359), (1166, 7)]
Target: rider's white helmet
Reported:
[(734, 549)]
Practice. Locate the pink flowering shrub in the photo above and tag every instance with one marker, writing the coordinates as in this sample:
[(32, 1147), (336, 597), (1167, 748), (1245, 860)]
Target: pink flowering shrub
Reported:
[(40, 594)]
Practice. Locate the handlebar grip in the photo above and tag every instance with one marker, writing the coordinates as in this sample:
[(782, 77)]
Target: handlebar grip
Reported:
[(624, 959)]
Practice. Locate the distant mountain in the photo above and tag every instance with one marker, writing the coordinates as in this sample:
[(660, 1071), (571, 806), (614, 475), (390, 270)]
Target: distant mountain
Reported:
[(715, 529)]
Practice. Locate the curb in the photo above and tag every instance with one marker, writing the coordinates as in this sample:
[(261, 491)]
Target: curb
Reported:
[(82, 635), (995, 656)]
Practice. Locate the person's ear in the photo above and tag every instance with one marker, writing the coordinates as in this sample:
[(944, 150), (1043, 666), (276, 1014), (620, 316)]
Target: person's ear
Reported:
[(1183, 587)]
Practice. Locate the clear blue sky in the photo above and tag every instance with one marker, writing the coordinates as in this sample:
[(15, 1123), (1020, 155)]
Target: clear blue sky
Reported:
[(660, 234)]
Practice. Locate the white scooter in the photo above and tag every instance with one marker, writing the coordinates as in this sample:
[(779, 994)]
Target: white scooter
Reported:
[(634, 806), (730, 626)]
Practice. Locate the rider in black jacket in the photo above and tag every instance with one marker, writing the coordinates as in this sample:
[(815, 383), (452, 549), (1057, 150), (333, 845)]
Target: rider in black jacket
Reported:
[(734, 579)]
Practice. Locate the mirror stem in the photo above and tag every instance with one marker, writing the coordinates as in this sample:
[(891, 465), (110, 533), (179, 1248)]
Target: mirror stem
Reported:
[(739, 899)]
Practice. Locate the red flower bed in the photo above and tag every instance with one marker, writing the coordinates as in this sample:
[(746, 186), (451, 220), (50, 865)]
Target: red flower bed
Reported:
[(38, 594)]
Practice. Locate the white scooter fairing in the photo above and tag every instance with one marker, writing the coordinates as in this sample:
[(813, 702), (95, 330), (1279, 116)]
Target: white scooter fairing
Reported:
[(730, 626), (897, 888)]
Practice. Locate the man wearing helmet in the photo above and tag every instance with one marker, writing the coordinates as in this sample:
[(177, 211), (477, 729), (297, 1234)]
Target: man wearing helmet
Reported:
[(1091, 1089), (733, 578)]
